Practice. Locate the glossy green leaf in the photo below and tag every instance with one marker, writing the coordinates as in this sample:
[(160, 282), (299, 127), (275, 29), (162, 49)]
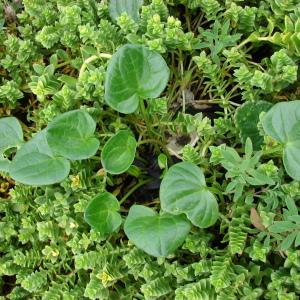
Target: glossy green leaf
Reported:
[(39, 169), (118, 153), (34, 164), (11, 133), (4, 165), (134, 72), (37, 144), (280, 120), (247, 118), (102, 213), (131, 7), (183, 190), (291, 152), (71, 135), (291, 160), (157, 235)]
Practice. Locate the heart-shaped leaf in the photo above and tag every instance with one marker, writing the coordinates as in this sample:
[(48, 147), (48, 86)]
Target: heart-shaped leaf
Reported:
[(157, 235), (34, 164), (134, 72), (11, 133), (246, 119), (118, 152), (291, 152), (280, 120), (102, 213), (183, 190), (4, 164), (131, 7), (37, 144), (71, 135), (39, 169)]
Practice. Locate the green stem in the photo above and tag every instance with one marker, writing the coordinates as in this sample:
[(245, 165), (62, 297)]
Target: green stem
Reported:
[(151, 141), (147, 121), (182, 88), (134, 188), (63, 64), (91, 59), (205, 147), (145, 115), (95, 158)]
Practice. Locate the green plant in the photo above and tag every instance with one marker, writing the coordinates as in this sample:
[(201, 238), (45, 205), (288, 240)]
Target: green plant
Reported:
[(282, 124), (184, 190), (102, 213), (150, 133), (118, 153), (134, 74), (44, 159), (289, 226), (247, 118), (158, 235)]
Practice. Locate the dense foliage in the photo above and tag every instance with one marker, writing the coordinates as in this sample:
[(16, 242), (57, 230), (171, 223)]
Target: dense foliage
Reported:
[(149, 149)]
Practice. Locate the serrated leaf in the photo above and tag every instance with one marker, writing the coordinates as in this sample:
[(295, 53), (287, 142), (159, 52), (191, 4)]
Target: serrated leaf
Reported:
[(36, 169), (157, 235), (131, 7), (230, 155), (247, 118), (71, 135), (118, 153), (134, 72), (102, 213), (183, 190), (11, 133), (258, 178)]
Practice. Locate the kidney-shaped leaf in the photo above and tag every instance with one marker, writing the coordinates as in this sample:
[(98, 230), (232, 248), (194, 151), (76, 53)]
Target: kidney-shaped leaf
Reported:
[(183, 190), (72, 135), (118, 152), (34, 163), (102, 213), (131, 7), (280, 120), (134, 72), (157, 235), (11, 134), (39, 169)]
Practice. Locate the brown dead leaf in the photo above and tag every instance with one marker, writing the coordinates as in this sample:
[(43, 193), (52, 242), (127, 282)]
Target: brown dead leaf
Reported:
[(256, 220)]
